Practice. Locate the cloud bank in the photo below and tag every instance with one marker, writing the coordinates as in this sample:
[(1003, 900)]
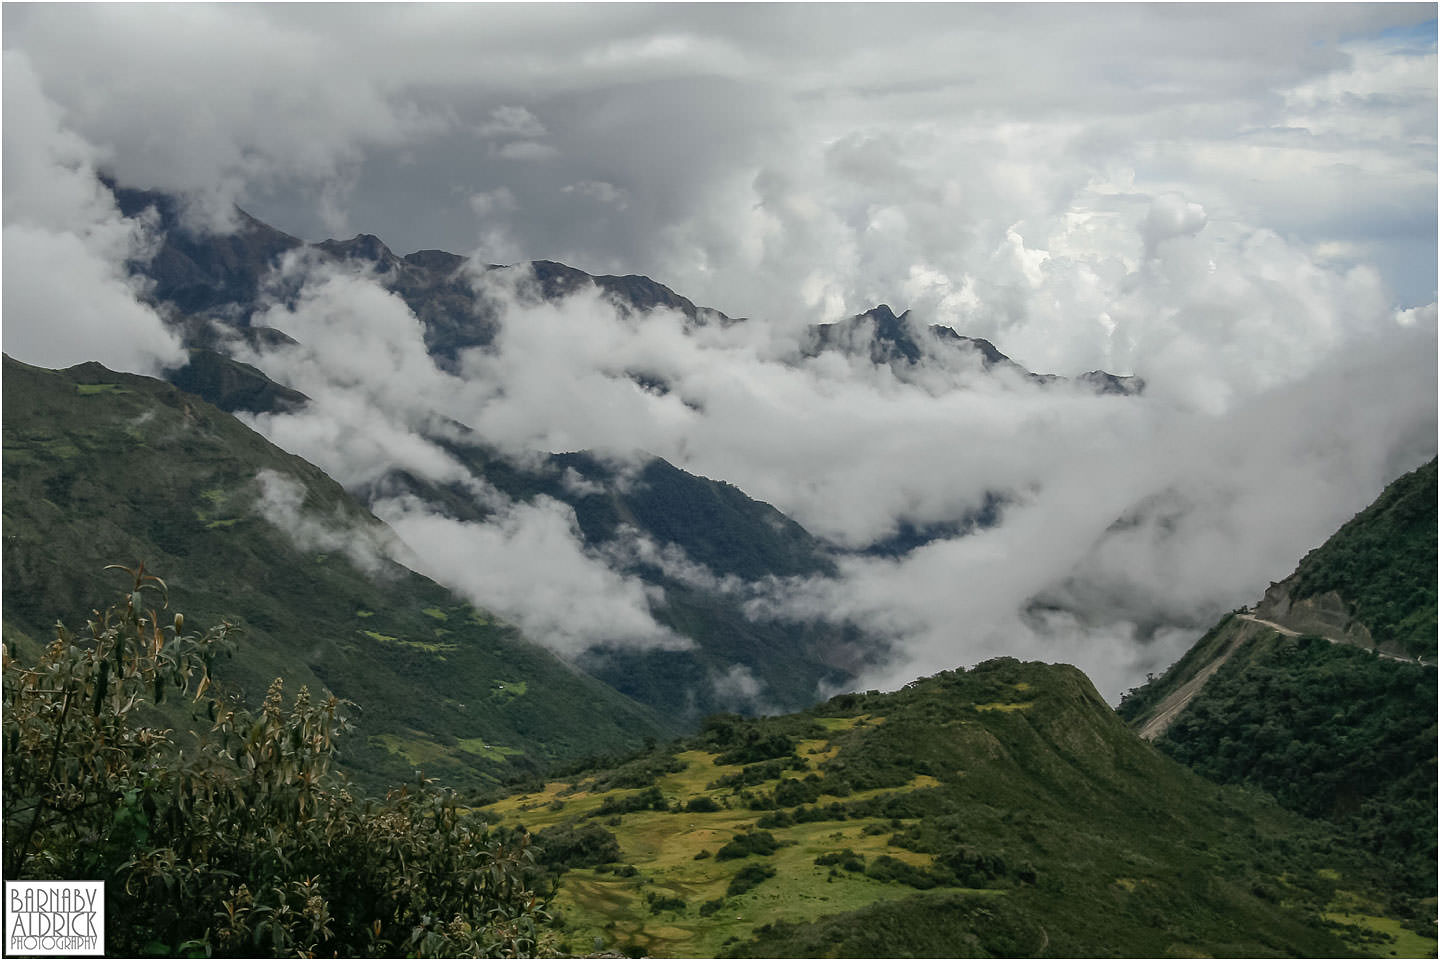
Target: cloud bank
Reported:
[(1127, 523), (1236, 203)]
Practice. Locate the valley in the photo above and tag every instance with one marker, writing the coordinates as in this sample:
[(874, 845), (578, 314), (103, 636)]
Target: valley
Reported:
[(648, 679)]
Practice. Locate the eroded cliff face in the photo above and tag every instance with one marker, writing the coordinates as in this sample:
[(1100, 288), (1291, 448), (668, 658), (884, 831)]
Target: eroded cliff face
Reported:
[(1327, 615)]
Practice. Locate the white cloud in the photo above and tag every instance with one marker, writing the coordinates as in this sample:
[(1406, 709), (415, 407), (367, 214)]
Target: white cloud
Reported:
[(1228, 202), (214, 100), (1171, 215), (281, 503), (528, 564), (511, 122), (488, 203), (527, 150), (1216, 507), (67, 294), (601, 192), (739, 686)]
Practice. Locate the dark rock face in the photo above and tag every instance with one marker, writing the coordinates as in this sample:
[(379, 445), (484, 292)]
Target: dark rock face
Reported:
[(903, 345), (233, 386), (1104, 383), (203, 273), (220, 277)]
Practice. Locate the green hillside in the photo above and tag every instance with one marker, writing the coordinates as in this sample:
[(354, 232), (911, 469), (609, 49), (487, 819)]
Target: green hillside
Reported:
[(1001, 811), (737, 541), (1331, 730), (1383, 563), (730, 542), (105, 468)]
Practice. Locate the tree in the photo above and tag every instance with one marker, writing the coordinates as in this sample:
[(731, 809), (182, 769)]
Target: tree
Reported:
[(245, 842)]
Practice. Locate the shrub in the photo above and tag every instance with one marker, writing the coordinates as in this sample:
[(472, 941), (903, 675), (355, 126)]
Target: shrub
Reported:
[(660, 902), (744, 845), (586, 846), (250, 845), (846, 858), (748, 877), (758, 747), (648, 800)]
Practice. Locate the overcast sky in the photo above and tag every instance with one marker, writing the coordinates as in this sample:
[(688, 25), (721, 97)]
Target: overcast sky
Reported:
[(776, 161), (1236, 202)]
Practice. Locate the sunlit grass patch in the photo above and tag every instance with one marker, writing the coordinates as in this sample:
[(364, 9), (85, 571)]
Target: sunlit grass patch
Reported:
[(429, 647), (491, 752), (1370, 933), (1005, 706), (416, 750), (837, 724)]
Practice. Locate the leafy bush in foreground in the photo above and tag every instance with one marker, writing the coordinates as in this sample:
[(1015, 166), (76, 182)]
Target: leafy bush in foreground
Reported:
[(248, 845)]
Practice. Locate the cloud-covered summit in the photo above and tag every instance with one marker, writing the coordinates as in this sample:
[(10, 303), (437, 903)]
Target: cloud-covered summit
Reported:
[(1235, 203)]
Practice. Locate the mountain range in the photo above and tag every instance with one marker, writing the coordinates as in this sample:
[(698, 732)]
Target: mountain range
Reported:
[(211, 288), (697, 763)]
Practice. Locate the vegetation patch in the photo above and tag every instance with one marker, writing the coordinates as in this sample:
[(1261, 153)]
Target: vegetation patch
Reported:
[(1357, 920), (416, 750), (429, 647), (1060, 876), (1331, 731), (493, 752), (507, 690), (1383, 562)]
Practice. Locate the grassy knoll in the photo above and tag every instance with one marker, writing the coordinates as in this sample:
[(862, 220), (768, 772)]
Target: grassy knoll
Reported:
[(1002, 810), (667, 846)]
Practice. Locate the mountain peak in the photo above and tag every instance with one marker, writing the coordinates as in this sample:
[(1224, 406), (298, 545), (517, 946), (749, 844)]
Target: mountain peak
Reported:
[(360, 247)]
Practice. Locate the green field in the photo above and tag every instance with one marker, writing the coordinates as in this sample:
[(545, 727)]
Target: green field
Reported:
[(1000, 811)]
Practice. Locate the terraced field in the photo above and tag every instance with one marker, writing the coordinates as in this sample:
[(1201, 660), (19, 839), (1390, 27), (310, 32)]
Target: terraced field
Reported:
[(673, 854), (1000, 811)]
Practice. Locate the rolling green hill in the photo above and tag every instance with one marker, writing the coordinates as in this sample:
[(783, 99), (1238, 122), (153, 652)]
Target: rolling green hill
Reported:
[(1000, 811), (1287, 701), (104, 468)]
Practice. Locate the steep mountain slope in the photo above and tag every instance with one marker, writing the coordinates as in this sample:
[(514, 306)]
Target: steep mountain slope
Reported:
[(1374, 581), (902, 344), (708, 548), (1000, 811), (102, 468), (1286, 700), (740, 661)]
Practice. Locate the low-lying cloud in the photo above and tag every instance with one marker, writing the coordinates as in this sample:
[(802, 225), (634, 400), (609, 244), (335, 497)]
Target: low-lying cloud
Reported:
[(528, 564), (68, 296), (1237, 207), (1128, 523), (282, 504)]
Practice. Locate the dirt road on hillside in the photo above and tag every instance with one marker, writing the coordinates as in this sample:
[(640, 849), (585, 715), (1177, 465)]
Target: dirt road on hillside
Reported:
[(1180, 698), (1333, 640)]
